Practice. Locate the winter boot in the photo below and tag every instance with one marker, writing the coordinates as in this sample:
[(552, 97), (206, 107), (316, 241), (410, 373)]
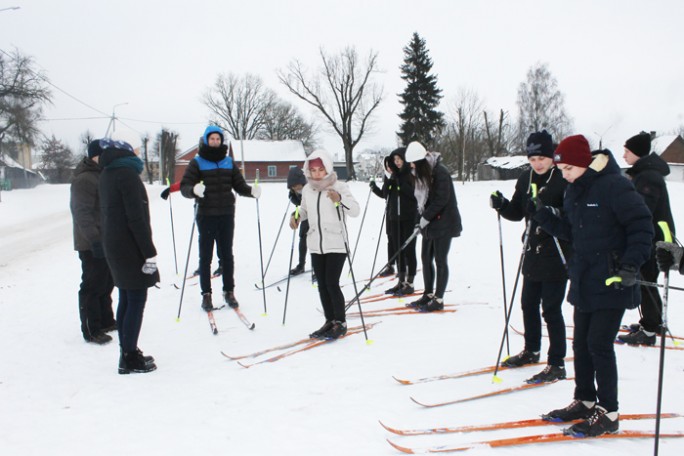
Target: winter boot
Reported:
[(521, 359), (405, 290), (299, 269), (134, 362), (109, 328), (599, 423), (147, 359), (422, 301), (641, 337), (229, 298), (339, 329), (207, 305), (388, 271), (550, 374), (218, 272), (394, 290), (434, 305), (577, 410), (99, 338), (318, 334)]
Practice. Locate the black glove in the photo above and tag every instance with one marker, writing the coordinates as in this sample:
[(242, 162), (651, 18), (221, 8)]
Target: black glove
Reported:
[(534, 204), (668, 255), (372, 184), (97, 249), (628, 274), (497, 201), (165, 193)]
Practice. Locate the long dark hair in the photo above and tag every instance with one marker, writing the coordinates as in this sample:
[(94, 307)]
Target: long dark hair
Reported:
[(423, 172)]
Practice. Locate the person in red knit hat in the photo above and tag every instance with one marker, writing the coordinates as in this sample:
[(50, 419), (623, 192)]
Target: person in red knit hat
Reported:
[(610, 228)]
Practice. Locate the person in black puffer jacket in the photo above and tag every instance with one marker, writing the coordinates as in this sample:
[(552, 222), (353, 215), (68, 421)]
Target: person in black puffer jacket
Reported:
[(648, 173), (210, 178), (438, 220), (611, 232), (545, 260), (388, 181), (128, 246), (295, 183)]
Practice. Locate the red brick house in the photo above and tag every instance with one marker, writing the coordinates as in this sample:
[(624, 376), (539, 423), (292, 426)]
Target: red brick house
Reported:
[(273, 159)]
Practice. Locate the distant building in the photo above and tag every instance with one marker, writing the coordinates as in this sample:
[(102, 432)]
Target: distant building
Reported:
[(13, 175), (273, 159), (502, 168)]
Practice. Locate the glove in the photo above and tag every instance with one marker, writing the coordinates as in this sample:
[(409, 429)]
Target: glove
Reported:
[(423, 222), (150, 266), (668, 255), (165, 193), (628, 274), (534, 204), (97, 249), (372, 184), (497, 200), (256, 191), (198, 190)]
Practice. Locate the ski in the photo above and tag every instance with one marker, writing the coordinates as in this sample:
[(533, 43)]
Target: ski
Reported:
[(514, 425), (404, 311), (532, 439), (313, 343), (284, 346), (260, 286), (513, 389), (212, 322), (470, 373), (243, 319)]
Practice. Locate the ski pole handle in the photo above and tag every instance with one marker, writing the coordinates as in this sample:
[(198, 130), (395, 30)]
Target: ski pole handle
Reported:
[(256, 180), (667, 234), (533, 187), (613, 280)]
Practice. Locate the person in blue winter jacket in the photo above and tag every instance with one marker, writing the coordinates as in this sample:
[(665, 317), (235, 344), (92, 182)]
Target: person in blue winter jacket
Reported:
[(210, 179), (610, 229)]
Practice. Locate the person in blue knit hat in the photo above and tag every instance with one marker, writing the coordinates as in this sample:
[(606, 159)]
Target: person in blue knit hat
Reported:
[(210, 179)]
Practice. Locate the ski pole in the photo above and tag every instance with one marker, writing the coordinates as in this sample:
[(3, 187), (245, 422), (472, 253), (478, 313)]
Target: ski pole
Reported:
[(261, 255), (667, 237), (377, 247), (187, 262), (657, 285), (503, 281), (351, 259), (289, 267), (351, 271), (173, 234), (268, 263)]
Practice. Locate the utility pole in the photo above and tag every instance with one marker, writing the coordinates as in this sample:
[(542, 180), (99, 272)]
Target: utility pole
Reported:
[(112, 120)]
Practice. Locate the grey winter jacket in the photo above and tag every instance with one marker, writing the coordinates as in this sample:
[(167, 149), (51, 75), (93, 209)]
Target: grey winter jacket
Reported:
[(85, 204)]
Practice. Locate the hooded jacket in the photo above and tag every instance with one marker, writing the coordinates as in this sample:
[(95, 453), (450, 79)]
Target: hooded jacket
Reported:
[(648, 176), (441, 207), (85, 204), (609, 226), (327, 229)]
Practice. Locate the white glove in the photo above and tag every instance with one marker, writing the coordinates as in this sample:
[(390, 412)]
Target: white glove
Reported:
[(150, 266), (198, 190), (256, 191), (423, 222)]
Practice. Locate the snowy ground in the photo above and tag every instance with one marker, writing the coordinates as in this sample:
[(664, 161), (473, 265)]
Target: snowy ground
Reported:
[(60, 395)]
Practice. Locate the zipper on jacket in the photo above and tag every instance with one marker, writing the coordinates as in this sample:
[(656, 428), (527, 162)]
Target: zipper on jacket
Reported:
[(320, 228)]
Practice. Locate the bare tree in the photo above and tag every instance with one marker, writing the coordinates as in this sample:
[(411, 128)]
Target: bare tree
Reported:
[(342, 91), (541, 105), (165, 144), (497, 140), (283, 121), (240, 104), (84, 140), (23, 92)]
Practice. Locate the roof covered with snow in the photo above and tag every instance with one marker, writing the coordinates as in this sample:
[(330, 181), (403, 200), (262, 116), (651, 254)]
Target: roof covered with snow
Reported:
[(512, 162)]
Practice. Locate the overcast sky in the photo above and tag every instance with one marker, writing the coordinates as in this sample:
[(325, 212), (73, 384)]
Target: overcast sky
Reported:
[(619, 63)]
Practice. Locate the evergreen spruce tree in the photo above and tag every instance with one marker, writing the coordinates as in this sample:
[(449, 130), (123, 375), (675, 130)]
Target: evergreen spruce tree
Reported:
[(421, 121)]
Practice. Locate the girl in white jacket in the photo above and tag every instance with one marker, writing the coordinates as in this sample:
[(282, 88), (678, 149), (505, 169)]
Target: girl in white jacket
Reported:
[(326, 202)]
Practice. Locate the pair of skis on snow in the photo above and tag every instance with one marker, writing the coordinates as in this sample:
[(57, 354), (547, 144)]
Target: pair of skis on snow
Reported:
[(241, 316), (291, 348)]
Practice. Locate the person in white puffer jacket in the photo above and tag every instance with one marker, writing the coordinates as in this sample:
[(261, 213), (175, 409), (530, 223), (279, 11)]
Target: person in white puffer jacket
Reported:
[(326, 203)]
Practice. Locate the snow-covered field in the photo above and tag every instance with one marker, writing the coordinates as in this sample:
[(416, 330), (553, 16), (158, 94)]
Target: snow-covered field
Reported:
[(60, 395)]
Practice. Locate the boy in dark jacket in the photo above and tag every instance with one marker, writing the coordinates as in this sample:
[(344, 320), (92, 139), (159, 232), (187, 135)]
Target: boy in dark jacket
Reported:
[(210, 178), (544, 264), (610, 229), (648, 173), (95, 294)]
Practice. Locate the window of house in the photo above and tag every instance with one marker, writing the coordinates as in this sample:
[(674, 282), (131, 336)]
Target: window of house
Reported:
[(272, 171)]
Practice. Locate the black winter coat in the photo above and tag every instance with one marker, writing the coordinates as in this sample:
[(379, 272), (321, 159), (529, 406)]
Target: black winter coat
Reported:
[(441, 208), (85, 204), (609, 226), (542, 261), (126, 231), (220, 177), (648, 176)]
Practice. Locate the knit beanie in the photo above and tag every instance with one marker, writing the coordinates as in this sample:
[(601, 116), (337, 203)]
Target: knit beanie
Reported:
[(574, 151), (415, 151), (639, 145), (540, 143), (94, 148)]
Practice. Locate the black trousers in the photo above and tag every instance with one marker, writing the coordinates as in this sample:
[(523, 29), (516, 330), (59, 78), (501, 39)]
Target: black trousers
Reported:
[(549, 296), (400, 231), (328, 269), (219, 229), (303, 231), (434, 255), (95, 294), (651, 304), (129, 317), (596, 374)]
